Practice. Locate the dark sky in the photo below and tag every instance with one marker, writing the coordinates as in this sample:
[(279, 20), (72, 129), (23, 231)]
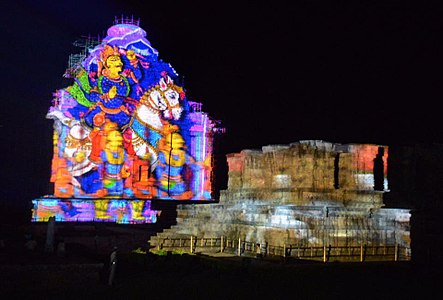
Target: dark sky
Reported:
[(274, 72)]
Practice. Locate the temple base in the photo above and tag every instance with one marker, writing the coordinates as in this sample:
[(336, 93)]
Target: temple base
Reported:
[(114, 210)]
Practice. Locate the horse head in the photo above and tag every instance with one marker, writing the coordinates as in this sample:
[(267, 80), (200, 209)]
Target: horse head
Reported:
[(164, 97), (154, 99), (157, 105), (173, 94)]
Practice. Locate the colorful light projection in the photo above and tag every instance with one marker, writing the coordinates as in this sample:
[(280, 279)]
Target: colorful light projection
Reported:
[(87, 210), (369, 161), (125, 130)]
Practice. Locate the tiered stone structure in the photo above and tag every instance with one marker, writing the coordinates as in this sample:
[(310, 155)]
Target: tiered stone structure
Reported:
[(309, 193), (305, 173)]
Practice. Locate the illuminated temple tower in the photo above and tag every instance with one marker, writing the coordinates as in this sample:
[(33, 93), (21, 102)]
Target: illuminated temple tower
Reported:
[(124, 134)]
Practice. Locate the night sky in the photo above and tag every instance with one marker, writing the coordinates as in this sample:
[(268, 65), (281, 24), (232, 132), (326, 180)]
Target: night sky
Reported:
[(274, 72)]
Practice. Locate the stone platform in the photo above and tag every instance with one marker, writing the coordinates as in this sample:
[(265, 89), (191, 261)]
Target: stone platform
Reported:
[(311, 193)]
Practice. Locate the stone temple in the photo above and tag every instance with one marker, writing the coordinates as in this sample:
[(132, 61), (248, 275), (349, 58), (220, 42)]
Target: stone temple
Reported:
[(309, 193)]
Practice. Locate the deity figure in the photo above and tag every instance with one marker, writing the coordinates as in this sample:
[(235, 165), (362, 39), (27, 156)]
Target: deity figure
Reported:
[(121, 118), (101, 209), (113, 158), (98, 136), (63, 186), (109, 94), (173, 164)]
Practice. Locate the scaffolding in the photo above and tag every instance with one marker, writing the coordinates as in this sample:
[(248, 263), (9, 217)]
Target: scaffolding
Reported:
[(127, 20), (86, 43)]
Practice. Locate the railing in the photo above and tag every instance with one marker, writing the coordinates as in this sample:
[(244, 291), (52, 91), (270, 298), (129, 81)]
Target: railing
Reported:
[(321, 253)]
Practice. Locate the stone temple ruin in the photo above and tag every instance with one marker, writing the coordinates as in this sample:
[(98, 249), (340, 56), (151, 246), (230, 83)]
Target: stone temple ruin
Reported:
[(310, 193)]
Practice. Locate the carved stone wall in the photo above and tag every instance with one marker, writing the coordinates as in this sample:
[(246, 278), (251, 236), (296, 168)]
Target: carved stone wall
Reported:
[(306, 172), (310, 192)]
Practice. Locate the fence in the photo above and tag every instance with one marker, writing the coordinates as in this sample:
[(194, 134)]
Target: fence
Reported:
[(322, 253)]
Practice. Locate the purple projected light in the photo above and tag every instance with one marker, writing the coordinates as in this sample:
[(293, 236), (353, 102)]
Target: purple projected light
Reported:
[(125, 131)]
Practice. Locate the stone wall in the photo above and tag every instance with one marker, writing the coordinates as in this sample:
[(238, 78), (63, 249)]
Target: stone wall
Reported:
[(311, 193), (306, 172)]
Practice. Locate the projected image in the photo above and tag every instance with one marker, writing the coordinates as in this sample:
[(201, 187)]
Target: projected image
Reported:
[(371, 166), (106, 210), (125, 128)]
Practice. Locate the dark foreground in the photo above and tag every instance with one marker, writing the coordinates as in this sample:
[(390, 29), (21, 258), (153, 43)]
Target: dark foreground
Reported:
[(82, 272)]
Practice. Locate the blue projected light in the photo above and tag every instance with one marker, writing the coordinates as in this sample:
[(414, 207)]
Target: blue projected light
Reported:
[(125, 130)]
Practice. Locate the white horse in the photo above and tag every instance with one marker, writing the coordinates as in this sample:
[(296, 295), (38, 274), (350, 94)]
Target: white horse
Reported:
[(156, 106)]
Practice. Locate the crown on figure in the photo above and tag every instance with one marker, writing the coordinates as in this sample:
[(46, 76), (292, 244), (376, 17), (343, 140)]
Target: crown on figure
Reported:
[(107, 52)]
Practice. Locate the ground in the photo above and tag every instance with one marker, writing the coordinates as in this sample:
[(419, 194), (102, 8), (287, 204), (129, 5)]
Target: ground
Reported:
[(82, 271)]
